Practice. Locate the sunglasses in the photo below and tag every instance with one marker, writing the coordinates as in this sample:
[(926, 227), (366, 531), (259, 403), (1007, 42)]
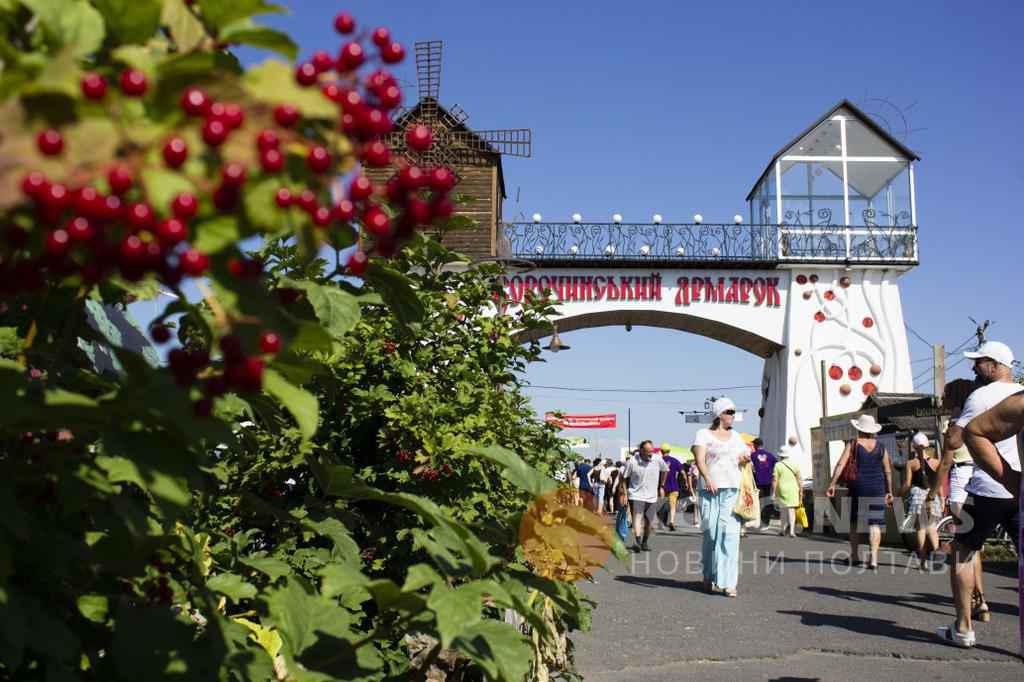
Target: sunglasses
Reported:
[(730, 412)]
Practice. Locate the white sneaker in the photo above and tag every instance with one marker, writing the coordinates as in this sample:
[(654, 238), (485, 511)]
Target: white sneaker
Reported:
[(949, 633)]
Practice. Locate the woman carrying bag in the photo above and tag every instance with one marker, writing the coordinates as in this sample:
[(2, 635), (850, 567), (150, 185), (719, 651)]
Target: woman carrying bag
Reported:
[(867, 469), (719, 451), (787, 486)]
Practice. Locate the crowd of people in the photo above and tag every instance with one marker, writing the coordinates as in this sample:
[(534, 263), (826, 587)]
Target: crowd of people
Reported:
[(980, 464)]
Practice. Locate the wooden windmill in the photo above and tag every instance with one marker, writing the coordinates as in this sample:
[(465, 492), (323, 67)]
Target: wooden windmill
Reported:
[(474, 155)]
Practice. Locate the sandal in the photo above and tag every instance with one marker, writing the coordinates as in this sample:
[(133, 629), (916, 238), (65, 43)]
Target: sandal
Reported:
[(979, 608)]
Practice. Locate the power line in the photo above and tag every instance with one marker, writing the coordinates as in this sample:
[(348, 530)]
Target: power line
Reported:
[(643, 390), (921, 338)]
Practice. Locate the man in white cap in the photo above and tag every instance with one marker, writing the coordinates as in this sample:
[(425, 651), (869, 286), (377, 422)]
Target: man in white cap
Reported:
[(993, 503)]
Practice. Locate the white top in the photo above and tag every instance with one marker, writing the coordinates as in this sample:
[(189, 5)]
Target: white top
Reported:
[(643, 478), (722, 457), (606, 473), (985, 398)]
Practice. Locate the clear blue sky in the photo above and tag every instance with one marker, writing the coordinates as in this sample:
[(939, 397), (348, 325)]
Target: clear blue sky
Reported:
[(675, 108)]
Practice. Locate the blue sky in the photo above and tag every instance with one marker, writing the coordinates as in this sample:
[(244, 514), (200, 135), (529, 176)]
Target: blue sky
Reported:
[(675, 108)]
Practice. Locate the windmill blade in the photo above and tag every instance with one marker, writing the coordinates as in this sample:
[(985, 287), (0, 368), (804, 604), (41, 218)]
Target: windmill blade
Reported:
[(455, 116), (509, 141), (428, 68)]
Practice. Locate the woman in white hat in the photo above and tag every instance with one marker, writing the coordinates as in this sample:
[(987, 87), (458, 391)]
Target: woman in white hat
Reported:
[(718, 452), (787, 487), (870, 490), (923, 512)]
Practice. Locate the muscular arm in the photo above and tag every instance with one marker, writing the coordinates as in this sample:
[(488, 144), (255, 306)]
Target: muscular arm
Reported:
[(1003, 421), (954, 439)]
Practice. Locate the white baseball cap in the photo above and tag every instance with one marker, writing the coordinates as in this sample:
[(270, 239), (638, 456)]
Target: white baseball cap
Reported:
[(721, 405), (921, 440), (993, 350)]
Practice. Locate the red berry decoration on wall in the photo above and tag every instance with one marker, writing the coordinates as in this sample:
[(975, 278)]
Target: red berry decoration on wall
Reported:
[(819, 316), (807, 295), (875, 370), (844, 282), (835, 372), (801, 279), (845, 389), (855, 373), (133, 83), (830, 295), (868, 322), (869, 388), (814, 279)]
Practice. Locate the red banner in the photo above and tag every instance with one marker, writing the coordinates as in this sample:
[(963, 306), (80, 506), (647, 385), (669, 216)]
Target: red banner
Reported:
[(582, 421)]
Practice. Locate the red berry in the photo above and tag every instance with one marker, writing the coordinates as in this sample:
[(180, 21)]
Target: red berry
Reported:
[(111, 208), (357, 263), (390, 97), (160, 333), (283, 198), (57, 243), (344, 23), (55, 197), (412, 178), (175, 152), (345, 211), (215, 132), (185, 206), (172, 231), (350, 100), (234, 116), (94, 86), (393, 53), (286, 115), (377, 221), (34, 184), (307, 201), (442, 208), (133, 83), (442, 180), (140, 216), (195, 102), (418, 211), (16, 237), (50, 142), (318, 160), (361, 188), (267, 139), (246, 375), (133, 252), (376, 155), (225, 198), (378, 122), (351, 57), (306, 74), (271, 161), (89, 202), (120, 180), (322, 61), (387, 246), (322, 216), (231, 347), (332, 92), (419, 138), (381, 37), (194, 263), (270, 342), (81, 230), (218, 111), (233, 174)]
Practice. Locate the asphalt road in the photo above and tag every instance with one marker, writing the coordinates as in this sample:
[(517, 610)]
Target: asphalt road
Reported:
[(799, 616)]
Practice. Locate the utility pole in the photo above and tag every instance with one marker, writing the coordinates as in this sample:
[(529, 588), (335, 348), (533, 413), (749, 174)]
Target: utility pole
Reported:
[(939, 368), (629, 428), (824, 394)]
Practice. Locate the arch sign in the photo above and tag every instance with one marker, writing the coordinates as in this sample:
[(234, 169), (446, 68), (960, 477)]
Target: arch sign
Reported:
[(793, 316)]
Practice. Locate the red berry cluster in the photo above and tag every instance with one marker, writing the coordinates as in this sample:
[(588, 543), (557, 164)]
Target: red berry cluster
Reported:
[(365, 108)]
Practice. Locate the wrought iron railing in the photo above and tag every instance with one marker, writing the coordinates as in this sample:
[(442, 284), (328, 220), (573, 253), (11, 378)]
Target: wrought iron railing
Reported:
[(707, 243)]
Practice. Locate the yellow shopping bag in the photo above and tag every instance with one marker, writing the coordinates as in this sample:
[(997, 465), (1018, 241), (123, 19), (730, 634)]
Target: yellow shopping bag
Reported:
[(747, 506), (801, 517)]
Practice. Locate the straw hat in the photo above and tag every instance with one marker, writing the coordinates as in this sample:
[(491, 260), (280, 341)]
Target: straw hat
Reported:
[(866, 424)]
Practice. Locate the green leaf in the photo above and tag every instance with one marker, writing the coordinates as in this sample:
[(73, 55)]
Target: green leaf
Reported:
[(342, 578), (273, 568), (10, 342), (58, 397), (300, 615), (94, 607), (216, 234), (311, 338), (397, 292), (337, 310), (137, 57), (92, 141), (60, 76), (221, 13), (246, 32), (515, 470), (162, 186), (71, 23), (186, 30), (234, 587), (455, 610), (131, 21), (273, 82), (302, 404), (498, 648), (261, 205)]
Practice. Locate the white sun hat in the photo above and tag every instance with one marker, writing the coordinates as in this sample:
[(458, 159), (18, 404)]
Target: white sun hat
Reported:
[(784, 452), (921, 440), (994, 350), (721, 405), (866, 424)]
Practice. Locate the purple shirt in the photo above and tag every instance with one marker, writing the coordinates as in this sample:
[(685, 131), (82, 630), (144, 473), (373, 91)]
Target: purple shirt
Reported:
[(764, 464), (674, 467)]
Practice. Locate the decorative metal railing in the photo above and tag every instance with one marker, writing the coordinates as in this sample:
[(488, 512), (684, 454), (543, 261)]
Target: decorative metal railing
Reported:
[(707, 243)]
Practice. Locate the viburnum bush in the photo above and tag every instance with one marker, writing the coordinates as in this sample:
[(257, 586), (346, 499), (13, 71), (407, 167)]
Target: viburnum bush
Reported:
[(322, 481)]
